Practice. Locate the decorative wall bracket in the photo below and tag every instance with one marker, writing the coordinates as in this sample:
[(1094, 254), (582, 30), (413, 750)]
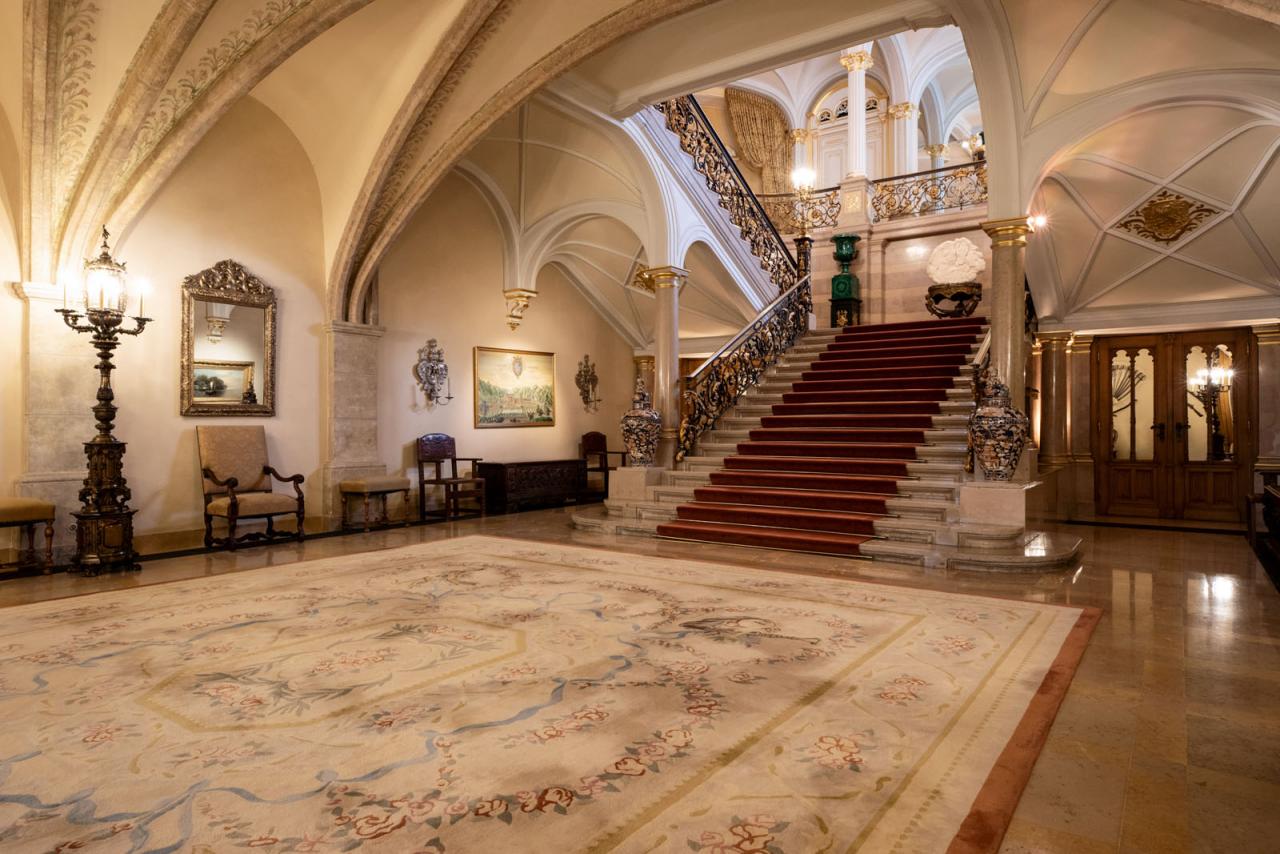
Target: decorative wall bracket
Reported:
[(432, 374), (587, 381), (517, 304)]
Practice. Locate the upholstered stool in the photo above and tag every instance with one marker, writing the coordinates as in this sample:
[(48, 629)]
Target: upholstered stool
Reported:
[(26, 513), (378, 486)]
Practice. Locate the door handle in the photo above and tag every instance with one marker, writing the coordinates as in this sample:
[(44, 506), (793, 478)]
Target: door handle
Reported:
[(1159, 428), (1180, 427)]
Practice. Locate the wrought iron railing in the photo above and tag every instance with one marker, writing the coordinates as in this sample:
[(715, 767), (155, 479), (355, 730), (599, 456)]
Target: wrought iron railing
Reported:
[(718, 383), (788, 211), (948, 188), (698, 139)]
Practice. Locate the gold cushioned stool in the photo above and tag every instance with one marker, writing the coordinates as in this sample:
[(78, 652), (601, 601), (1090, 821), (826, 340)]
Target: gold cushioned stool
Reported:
[(25, 514), (379, 486)]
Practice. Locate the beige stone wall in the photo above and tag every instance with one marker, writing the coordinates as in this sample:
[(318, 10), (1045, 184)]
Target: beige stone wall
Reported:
[(443, 281), (246, 192)]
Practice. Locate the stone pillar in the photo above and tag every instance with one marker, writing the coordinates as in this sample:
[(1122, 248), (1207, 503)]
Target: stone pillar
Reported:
[(937, 155), (799, 148), (1080, 423), (351, 381), (1006, 303), (644, 370), (61, 388), (856, 62), (904, 138), (1053, 397), (1268, 405), (665, 284)]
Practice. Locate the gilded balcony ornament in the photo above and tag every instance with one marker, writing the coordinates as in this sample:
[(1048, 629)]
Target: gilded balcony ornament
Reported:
[(685, 119), (948, 188), (1166, 217)]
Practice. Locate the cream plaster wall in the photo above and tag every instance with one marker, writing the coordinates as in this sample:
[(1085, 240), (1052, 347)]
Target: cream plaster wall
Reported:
[(442, 280), (246, 192), (895, 289)]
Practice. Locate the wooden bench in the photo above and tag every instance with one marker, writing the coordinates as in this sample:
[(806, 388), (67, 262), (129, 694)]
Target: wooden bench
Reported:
[(370, 488), (25, 514)]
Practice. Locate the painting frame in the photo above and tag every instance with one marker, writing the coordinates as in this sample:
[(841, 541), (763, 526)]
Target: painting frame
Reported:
[(240, 373), (490, 365)]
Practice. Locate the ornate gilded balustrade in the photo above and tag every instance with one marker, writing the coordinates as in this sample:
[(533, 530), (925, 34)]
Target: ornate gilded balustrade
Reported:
[(948, 188), (698, 139), (789, 212), (721, 380)]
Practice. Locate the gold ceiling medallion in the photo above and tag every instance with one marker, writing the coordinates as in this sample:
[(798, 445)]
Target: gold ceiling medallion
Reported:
[(1166, 217)]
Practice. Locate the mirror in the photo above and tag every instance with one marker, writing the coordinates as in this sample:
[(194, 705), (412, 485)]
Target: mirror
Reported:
[(228, 343)]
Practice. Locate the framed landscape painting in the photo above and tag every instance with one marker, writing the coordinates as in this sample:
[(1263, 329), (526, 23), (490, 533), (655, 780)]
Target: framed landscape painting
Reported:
[(514, 388), (222, 382)]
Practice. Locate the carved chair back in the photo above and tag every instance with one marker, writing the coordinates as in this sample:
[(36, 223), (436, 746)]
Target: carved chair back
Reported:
[(239, 452), (594, 443), (437, 449)]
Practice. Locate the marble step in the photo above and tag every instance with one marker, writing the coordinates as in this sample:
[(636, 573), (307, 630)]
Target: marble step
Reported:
[(934, 490), (921, 508)]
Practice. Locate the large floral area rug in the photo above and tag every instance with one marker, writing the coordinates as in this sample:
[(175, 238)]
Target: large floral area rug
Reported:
[(493, 695)]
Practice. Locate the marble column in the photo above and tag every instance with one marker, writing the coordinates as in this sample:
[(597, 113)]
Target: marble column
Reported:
[(1006, 303), (61, 389), (1053, 397), (799, 148), (937, 155), (351, 382), (904, 138), (665, 284), (1268, 406), (856, 62), (1080, 423)]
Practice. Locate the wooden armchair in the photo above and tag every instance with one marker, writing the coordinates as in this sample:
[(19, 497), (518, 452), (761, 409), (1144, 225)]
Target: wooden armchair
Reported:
[(237, 486), (595, 450), (438, 449)]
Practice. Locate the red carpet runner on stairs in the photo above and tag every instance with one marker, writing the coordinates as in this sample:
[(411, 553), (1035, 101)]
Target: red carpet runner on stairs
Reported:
[(817, 473)]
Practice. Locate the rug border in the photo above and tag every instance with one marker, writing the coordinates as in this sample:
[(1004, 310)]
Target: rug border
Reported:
[(983, 829)]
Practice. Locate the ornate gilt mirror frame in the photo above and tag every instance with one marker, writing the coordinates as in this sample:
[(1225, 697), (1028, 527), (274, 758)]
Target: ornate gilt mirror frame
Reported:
[(228, 282)]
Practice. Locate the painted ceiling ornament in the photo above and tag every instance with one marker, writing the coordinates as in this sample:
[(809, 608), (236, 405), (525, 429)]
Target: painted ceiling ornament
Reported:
[(1166, 217), (587, 382), (955, 262)]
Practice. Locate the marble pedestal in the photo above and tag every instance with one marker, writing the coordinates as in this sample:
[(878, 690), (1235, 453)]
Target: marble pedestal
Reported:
[(632, 483), (991, 502)]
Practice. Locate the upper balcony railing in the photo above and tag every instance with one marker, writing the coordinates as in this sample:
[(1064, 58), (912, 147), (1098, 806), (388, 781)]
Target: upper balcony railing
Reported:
[(948, 188), (787, 211), (698, 139)]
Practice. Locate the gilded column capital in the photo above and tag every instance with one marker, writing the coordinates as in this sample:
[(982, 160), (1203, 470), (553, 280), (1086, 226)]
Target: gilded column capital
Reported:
[(858, 60), (799, 134), (1268, 334), (938, 149), (653, 279), (902, 110), (1008, 232), (1057, 338)]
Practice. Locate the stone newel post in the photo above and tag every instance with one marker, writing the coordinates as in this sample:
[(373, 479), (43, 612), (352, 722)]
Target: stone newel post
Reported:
[(665, 284), (1006, 303)]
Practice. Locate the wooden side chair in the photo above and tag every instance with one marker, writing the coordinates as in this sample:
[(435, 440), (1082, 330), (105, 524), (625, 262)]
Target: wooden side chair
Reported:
[(238, 486), (439, 449), (24, 514), (595, 450)]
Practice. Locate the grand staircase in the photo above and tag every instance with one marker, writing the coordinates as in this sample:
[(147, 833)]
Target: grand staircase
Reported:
[(852, 423)]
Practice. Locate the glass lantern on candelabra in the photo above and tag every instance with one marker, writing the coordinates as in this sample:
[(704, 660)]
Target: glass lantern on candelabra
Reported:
[(104, 524), (1207, 386)]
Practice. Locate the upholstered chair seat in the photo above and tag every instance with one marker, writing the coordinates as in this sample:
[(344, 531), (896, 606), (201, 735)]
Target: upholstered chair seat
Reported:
[(15, 511), (375, 483), (254, 504), (238, 485)]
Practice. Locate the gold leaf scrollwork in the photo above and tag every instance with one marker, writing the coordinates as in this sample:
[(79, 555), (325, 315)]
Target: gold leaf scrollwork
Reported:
[(948, 188)]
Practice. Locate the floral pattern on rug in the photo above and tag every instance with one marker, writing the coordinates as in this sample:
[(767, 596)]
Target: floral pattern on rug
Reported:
[(483, 694)]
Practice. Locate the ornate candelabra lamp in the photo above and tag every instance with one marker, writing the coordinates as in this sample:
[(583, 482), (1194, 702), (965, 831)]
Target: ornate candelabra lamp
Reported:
[(433, 374), (1206, 387), (104, 525), (810, 210)]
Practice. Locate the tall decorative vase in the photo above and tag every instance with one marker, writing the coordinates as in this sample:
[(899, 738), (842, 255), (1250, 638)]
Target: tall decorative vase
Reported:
[(997, 431), (641, 426), (846, 290)]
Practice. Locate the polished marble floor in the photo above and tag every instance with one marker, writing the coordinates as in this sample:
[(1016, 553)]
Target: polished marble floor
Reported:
[(1169, 738)]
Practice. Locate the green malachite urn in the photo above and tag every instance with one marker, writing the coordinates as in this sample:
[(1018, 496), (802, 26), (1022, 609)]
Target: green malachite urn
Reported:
[(846, 290)]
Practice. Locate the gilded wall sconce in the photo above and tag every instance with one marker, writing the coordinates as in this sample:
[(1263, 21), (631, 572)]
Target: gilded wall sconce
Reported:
[(587, 382), (433, 374)]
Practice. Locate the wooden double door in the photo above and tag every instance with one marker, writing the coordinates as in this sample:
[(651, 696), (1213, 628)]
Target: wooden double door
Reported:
[(1174, 424)]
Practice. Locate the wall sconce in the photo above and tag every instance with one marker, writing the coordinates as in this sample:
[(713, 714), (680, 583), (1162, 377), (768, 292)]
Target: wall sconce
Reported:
[(517, 304), (433, 374), (587, 381)]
